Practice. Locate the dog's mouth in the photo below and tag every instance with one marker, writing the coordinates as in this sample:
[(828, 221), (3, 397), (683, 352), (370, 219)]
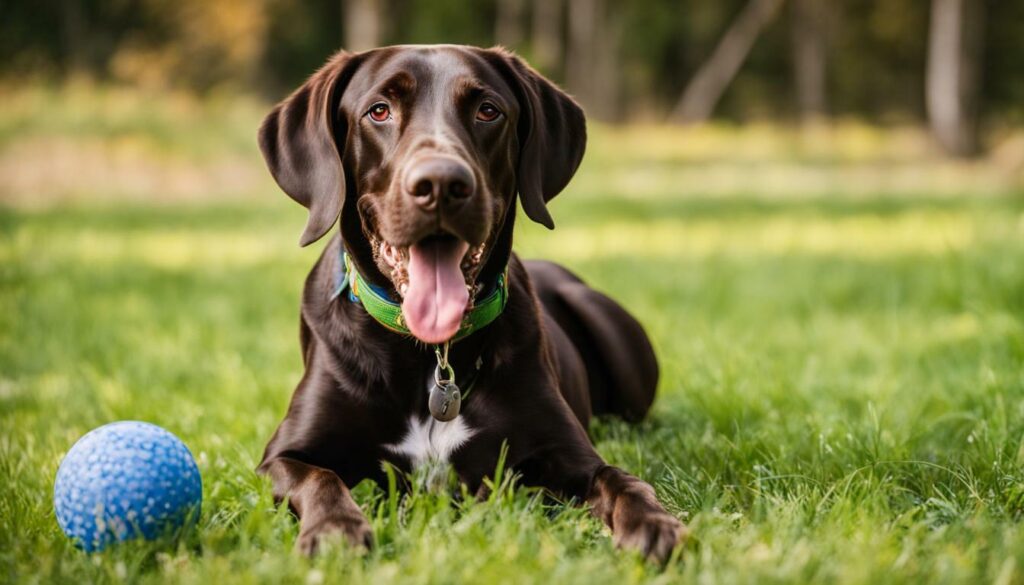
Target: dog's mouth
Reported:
[(436, 278)]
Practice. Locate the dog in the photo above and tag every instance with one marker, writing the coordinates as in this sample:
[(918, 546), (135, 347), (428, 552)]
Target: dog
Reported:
[(419, 154)]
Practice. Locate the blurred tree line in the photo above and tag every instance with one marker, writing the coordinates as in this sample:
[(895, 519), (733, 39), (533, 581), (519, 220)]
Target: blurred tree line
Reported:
[(957, 64)]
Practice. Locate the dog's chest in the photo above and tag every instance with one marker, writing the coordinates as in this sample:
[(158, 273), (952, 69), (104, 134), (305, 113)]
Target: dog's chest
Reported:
[(430, 441)]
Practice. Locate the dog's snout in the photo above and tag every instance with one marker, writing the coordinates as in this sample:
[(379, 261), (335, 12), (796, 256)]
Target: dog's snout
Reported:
[(439, 179)]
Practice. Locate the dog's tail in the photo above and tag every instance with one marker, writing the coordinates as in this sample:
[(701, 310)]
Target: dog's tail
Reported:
[(622, 369)]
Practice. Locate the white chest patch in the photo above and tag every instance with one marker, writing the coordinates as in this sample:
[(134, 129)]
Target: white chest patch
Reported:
[(428, 440)]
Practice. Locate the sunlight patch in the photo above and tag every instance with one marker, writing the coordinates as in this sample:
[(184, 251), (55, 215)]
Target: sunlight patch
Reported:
[(861, 236), (178, 249)]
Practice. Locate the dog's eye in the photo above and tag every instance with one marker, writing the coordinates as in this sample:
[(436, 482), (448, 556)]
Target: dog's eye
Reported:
[(379, 112), (487, 112)]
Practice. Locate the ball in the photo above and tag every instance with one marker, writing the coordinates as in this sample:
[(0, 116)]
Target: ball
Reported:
[(126, 480)]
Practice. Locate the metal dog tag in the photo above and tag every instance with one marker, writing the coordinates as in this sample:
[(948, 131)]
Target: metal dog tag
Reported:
[(445, 400)]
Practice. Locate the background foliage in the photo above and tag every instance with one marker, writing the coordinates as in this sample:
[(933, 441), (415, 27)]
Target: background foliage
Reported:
[(876, 50)]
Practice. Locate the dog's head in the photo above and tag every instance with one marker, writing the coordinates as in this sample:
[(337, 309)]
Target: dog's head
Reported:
[(422, 150)]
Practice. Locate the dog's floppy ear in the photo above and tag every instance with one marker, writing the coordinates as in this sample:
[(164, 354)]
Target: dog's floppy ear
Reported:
[(301, 140), (552, 136)]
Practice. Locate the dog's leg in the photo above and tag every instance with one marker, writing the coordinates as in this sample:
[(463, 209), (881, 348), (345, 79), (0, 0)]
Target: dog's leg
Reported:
[(637, 520), (321, 501), (568, 465), (626, 504)]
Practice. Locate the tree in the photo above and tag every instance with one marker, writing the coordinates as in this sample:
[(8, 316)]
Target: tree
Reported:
[(713, 77), (547, 35), (809, 58), (579, 59), (508, 26), (591, 63), (362, 24), (953, 74)]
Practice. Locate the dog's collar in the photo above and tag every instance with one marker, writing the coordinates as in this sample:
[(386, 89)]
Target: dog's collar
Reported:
[(388, 313)]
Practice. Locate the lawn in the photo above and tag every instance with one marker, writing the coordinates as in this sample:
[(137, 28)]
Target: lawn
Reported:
[(842, 398)]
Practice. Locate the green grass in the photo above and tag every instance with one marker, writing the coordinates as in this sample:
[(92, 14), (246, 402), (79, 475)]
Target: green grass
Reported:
[(842, 398)]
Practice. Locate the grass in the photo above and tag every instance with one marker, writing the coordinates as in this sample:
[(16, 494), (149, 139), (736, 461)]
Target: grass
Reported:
[(841, 334), (841, 399)]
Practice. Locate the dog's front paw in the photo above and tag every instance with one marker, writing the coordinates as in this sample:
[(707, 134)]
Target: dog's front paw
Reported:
[(353, 528), (654, 533)]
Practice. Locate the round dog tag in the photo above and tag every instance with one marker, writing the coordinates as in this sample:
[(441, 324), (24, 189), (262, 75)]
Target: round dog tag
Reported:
[(445, 400)]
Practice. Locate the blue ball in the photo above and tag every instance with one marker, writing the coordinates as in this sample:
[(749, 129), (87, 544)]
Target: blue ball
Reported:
[(124, 480)]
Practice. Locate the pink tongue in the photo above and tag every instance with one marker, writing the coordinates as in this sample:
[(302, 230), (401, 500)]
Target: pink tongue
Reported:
[(437, 296)]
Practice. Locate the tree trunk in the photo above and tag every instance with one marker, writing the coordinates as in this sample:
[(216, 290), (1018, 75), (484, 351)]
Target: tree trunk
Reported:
[(809, 58), (362, 24), (952, 75), (714, 76), (579, 63), (607, 74), (508, 28), (547, 35), (592, 74)]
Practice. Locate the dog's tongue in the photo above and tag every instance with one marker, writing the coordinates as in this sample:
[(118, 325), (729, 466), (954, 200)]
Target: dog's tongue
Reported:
[(437, 296)]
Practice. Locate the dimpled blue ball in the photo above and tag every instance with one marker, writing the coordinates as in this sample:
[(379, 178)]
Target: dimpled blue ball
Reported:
[(123, 480)]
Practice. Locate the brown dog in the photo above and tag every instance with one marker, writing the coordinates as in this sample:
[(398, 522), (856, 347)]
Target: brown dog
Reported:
[(421, 151)]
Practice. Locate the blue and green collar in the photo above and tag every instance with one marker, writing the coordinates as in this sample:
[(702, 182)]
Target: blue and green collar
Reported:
[(388, 313)]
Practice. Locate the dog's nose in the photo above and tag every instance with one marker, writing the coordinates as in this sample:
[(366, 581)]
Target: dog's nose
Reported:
[(439, 178)]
